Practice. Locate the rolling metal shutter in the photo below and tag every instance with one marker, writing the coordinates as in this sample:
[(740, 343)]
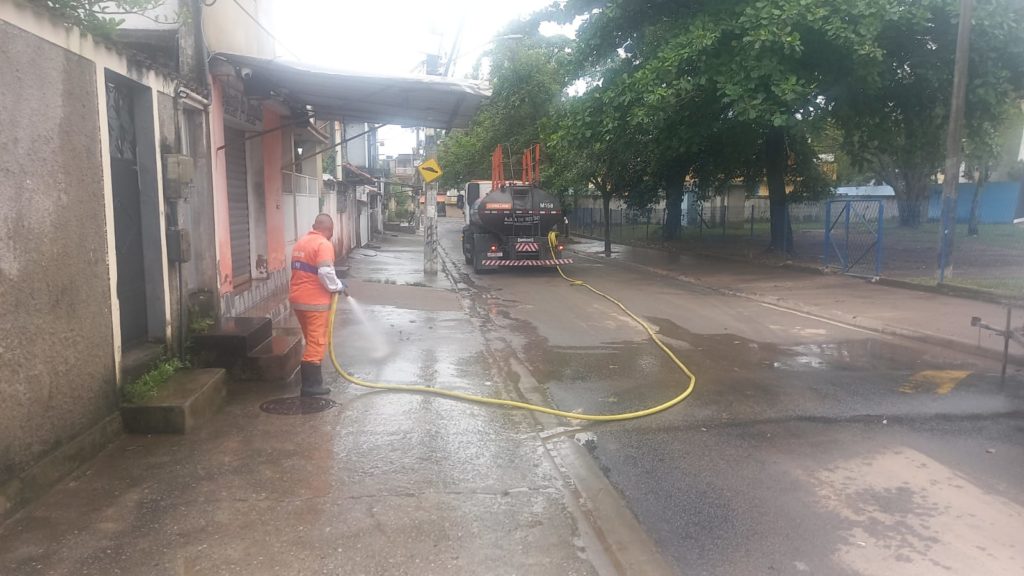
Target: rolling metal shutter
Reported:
[(238, 205)]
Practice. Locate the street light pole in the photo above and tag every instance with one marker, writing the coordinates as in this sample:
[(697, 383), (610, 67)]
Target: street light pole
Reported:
[(947, 223)]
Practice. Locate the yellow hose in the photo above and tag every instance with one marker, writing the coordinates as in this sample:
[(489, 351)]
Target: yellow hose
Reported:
[(552, 240)]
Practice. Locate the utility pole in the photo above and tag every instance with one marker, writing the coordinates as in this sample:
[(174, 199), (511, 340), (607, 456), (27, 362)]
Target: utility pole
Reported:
[(430, 203), (947, 223)]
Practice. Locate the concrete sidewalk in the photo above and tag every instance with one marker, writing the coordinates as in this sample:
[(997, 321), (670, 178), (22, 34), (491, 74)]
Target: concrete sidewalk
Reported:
[(383, 483), (932, 318)]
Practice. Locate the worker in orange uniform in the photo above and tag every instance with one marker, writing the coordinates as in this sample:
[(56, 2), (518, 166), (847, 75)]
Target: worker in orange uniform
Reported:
[(313, 282)]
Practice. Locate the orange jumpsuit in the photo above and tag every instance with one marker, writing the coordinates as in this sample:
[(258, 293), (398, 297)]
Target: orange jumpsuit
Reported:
[(310, 298)]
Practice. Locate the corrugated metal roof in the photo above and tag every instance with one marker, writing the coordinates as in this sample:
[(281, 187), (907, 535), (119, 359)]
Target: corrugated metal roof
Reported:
[(425, 101), (359, 174)]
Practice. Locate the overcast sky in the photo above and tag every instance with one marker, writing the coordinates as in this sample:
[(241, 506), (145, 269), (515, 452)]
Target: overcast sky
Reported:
[(391, 36)]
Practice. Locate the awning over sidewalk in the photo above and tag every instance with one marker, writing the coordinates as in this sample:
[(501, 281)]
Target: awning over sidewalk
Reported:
[(425, 101)]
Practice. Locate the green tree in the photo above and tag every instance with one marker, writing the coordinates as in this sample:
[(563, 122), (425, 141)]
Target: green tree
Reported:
[(102, 17), (894, 118), (527, 75), (702, 70), (591, 146)]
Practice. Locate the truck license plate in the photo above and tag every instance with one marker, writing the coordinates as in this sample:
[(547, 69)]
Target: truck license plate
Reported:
[(494, 254)]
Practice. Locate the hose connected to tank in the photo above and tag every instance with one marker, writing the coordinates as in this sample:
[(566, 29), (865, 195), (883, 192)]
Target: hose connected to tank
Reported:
[(552, 242)]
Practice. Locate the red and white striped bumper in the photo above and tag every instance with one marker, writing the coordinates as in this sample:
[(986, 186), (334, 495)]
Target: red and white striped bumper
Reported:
[(552, 262)]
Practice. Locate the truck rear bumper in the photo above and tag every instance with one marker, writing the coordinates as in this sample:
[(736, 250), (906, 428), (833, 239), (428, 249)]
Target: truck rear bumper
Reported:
[(550, 262)]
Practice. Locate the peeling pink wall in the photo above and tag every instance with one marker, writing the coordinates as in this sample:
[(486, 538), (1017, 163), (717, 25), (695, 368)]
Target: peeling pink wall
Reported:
[(272, 160), (220, 189)]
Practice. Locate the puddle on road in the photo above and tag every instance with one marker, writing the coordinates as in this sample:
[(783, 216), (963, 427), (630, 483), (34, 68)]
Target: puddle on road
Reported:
[(864, 354), (622, 376)]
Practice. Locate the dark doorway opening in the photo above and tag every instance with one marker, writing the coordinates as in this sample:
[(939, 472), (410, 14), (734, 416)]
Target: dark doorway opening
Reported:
[(127, 194)]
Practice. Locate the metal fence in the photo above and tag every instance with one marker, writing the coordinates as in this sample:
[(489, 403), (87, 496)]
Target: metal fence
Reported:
[(854, 230), (864, 237), (708, 223), (625, 226)]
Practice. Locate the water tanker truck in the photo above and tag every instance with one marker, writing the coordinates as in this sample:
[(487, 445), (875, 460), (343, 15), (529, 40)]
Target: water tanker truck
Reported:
[(509, 225), (508, 221)]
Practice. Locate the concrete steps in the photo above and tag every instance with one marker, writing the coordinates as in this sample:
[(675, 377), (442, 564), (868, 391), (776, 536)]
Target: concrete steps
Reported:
[(188, 399), (234, 337), (251, 350), (275, 359)]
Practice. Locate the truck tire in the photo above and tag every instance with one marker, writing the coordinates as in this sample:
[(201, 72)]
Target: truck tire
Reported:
[(477, 262), (480, 244), (468, 246)]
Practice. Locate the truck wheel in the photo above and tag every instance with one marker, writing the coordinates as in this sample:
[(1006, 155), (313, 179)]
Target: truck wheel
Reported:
[(467, 244), (477, 262)]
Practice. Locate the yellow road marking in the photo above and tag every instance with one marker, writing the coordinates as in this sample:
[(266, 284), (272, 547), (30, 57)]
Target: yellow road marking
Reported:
[(941, 381)]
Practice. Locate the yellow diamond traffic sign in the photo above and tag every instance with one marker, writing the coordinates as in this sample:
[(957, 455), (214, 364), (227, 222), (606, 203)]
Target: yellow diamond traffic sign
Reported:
[(430, 170)]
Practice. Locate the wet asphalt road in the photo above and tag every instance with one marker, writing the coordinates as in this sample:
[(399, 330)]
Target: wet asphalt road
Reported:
[(808, 447)]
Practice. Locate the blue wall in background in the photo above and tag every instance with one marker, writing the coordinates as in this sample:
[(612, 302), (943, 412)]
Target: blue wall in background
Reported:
[(998, 202)]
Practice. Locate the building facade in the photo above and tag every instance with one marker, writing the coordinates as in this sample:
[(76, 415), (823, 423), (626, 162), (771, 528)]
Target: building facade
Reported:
[(153, 182)]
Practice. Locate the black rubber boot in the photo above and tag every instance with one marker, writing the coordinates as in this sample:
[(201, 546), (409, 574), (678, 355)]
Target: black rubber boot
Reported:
[(312, 380)]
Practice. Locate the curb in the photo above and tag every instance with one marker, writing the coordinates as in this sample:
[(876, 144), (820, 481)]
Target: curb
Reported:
[(954, 290), (856, 322)]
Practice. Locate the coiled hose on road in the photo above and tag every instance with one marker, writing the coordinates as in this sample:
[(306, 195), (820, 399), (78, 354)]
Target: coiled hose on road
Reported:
[(552, 241)]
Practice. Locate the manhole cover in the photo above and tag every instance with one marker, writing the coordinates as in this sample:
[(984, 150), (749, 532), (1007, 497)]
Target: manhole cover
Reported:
[(296, 405)]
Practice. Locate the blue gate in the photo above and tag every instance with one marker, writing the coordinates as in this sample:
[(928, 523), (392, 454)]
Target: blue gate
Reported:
[(853, 236)]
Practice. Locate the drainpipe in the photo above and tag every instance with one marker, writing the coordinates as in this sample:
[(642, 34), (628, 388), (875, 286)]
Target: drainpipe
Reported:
[(190, 98)]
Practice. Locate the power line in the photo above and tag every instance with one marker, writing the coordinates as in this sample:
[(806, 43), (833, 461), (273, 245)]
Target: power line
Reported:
[(266, 30)]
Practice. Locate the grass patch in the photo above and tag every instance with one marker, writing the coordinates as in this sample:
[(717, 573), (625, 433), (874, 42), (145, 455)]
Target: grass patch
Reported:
[(1006, 236), (200, 325), (147, 385)]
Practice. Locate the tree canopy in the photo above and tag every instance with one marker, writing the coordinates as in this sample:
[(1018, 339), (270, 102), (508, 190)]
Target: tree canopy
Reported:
[(744, 92), (528, 75), (103, 17)]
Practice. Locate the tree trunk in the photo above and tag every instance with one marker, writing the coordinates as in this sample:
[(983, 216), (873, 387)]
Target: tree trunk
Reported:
[(673, 206), (776, 159), (979, 187), (606, 202), (914, 200)]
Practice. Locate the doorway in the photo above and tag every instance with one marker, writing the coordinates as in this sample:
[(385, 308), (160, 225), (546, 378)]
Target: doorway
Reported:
[(127, 199), (138, 225)]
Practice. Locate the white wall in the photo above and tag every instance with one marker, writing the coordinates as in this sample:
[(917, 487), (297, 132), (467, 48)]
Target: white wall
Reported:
[(357, 152), (229, 29)]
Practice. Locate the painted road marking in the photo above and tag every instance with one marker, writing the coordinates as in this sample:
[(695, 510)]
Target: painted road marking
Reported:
[(826, 321), (941, 381)]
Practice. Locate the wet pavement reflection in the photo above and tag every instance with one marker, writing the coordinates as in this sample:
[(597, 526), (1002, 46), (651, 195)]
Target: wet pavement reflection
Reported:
[(807, 447)]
